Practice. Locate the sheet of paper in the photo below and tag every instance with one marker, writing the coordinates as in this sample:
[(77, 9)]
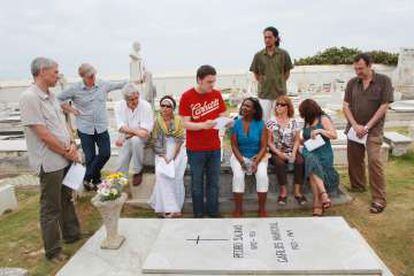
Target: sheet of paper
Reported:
[(221, 122), (352, 136), (161, 167), (313, 144), (74, 176)]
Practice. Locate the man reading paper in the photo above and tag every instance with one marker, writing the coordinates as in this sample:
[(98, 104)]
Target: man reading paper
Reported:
[(366, 101)]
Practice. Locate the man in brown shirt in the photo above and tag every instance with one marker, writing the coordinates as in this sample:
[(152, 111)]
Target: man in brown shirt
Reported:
[(271, 67), (366, 101), (50, 153)]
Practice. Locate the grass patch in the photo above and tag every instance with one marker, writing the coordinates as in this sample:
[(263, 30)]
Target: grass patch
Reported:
[(391, 234)]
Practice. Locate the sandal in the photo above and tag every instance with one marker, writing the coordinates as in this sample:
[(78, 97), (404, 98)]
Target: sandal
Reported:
[(176, 215), (317, 214), (167, 215), (282, 200), (327, 202), (301, 200), (376, 208)]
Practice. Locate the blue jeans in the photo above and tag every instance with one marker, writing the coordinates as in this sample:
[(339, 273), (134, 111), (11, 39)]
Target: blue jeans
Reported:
[(204, 164), (94, 162)]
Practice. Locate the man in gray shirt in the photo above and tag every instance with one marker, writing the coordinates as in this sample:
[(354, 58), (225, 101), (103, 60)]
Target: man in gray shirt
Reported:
[(50, 153), (89, 99)]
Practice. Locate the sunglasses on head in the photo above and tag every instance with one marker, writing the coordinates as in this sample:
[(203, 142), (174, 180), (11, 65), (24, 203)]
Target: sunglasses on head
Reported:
[(280, 104)]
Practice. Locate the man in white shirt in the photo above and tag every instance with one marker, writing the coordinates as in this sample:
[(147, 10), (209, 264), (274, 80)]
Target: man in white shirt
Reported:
[(50, 152), (135, 120)]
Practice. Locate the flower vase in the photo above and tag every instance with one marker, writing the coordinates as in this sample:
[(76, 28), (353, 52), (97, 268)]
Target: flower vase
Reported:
[(110, 211)]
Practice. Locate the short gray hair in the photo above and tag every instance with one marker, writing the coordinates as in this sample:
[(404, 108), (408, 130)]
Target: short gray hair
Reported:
[(41, 63), (129, 89), (86, 70)]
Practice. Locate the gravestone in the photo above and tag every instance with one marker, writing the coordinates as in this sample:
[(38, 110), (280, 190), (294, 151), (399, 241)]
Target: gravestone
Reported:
[(8, 199), (405, 74), (254, 246), (399, 143)]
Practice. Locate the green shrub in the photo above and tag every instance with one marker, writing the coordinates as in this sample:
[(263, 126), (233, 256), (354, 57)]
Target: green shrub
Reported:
[(344, 55)]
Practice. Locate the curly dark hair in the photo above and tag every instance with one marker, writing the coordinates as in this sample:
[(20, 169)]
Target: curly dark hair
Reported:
[(170, 98), (258, 111), (309, 110)]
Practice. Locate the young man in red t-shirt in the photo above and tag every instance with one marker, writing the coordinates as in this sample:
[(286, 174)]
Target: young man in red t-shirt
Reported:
[(199, 107)]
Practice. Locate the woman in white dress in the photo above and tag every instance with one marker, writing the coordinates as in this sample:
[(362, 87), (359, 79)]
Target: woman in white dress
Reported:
[(168, 138)]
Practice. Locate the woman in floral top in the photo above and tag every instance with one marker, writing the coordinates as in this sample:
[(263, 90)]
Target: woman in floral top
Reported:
[(284, 141)]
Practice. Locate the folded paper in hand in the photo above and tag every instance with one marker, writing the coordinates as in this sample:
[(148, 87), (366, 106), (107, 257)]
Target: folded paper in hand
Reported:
[(161, 167), (352, 136), (74, 177), (313, 144), (221, 122)]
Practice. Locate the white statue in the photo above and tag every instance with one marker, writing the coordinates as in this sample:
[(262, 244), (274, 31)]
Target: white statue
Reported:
[(138, 73), (136, 66)]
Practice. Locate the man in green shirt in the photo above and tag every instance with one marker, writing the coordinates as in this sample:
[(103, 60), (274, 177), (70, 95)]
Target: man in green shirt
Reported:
[(271, 67)]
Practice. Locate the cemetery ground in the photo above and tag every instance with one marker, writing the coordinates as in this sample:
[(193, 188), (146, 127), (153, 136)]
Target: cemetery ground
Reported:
[(390, 234)]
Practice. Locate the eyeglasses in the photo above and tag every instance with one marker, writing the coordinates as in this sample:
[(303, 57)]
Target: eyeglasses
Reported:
[(166, 105), (280, 104)]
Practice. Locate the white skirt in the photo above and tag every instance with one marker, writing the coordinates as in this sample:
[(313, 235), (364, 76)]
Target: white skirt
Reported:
[(169, 193)]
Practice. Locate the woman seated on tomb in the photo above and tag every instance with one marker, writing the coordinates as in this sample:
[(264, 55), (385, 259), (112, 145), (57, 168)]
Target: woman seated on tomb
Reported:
[(284, 142), (168, 138), (319, 160), (249, 143)]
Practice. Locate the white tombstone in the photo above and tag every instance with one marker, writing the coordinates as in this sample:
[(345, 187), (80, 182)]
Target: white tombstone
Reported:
[(294, 246), (405, 74), (248, 246), (399, 143), (7, 199)]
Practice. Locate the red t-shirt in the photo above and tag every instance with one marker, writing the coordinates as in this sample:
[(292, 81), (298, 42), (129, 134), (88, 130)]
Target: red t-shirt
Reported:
[(202, 107)]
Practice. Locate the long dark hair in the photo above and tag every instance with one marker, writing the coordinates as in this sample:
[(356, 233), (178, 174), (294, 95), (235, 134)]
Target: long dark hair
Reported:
[(309, 110), (275, 33), (258, 111)]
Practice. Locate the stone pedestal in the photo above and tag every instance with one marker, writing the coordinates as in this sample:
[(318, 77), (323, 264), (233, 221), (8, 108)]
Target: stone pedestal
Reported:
[(110, 212)]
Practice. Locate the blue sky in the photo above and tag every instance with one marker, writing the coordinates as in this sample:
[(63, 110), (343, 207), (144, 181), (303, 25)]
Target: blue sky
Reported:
[(178, 36)]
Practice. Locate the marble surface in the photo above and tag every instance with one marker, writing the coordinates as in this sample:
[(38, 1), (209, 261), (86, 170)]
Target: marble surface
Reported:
[(260, 246), (322, 246)]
